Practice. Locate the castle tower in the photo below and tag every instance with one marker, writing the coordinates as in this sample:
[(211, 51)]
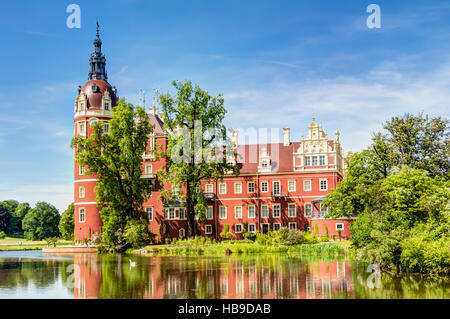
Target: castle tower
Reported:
[(93, 103)]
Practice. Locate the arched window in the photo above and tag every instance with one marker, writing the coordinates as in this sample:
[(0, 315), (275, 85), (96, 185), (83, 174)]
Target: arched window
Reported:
[(181, 233)]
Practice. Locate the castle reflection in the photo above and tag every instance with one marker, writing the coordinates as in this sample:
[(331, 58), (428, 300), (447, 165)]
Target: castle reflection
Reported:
[(260, 277)]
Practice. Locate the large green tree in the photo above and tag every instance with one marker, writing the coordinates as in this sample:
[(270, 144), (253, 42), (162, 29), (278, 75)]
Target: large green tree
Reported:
[(67, 223), (4, 218), (41, 222), (116, 157), (198, 146)]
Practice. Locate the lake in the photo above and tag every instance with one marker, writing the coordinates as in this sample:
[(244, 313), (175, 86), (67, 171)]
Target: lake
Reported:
[(32, 274)]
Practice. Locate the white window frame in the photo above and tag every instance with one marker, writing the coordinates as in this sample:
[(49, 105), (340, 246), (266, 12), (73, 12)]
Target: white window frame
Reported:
[(324, 160), (240, 185), (235, 211), (220, 212), (79, 214), (146, 169), (340, 228), (80, 192), (209, 188), (182, 209), (248, 187), (262, 187), (310, 185), (289, 210), (81, 170), (279, 187), (292, 223), (106, 106), (293, 189), (106, 127), (254, 212), (210, 229), (149, 210), (311, 209), (224, 190), (182, 233), (82, 132), (235, 228), (171, 209), (279, 226), (254, 228), (279, 211), (267, 211), (314, 161), (212, 212), (307, 161), (320, 184)]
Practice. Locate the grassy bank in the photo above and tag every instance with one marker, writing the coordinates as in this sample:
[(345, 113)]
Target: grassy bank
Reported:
[(11, 244), (329, 249)]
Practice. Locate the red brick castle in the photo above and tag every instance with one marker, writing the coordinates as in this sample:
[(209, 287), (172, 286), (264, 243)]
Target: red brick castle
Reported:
[(280, 184)]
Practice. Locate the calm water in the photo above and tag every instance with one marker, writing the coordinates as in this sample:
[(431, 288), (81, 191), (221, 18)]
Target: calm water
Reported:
[(36, 275)]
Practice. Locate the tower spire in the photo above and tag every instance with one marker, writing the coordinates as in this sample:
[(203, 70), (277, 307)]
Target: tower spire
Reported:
[(98, 61)]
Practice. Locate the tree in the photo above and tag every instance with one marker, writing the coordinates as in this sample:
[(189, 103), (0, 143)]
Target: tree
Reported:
[(10, 206), (116, 157), (4, 218), (67, 223), (19, 214), (41, 222), (420, 142), (198, 147)]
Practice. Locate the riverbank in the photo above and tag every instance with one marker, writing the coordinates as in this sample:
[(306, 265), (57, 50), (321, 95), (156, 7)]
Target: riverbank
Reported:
[(331, 249), (19, 244)]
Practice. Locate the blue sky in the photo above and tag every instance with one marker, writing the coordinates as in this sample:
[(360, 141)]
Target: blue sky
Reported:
[(276, 62)]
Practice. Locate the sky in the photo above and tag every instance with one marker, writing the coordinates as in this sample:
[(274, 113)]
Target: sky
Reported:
[(275, 62)]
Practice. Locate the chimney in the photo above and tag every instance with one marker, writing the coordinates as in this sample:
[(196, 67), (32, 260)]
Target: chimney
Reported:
[(287, 136), (235, 138)]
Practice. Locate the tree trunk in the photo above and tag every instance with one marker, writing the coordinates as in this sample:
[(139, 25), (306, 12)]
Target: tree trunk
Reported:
[(190, 213)]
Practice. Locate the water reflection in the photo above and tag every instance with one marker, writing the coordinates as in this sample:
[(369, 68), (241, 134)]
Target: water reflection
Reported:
[(236, 277)]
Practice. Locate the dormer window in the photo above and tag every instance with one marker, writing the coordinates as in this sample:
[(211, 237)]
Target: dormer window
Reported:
[(265, 164), (107, 106), (82, 106)]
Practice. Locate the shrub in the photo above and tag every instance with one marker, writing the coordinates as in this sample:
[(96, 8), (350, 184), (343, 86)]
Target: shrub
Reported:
[(323, 239), (309, 238), (250, 236), (226, 235), (316, 230), (2, 235), (137, 233)]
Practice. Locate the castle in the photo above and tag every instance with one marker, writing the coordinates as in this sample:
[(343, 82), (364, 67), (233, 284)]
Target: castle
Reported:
[(280, 184)]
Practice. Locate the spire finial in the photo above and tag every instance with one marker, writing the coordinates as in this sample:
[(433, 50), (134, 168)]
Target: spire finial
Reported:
[(98, 60), (314, 117), (143, 93), (98, 27)]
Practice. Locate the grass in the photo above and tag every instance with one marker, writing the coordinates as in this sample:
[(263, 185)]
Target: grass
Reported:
[(225, 248), (10, 244)]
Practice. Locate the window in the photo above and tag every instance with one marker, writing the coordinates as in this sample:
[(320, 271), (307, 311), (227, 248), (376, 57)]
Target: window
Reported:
[(82, 215), (148, 169), (209, 188), (292, 225), (251, 211), (322, 160), (81, 170), (308, 209), (264, 163), (222, 188), (264, 211), (81, 192), (276, 188), (106, 128), (264, 187), (238, 188), (238, 228), (238, 212), (171, 213), (251, 228), (181, 233), (276, 211), (314, 161), (82, 106), (106, 106), (223, 212), (307, 185), (276, 226), (307, 161), (339, 226), (208, 229), (209, 212), (323, 184), (82, 129), (182, 215), (150, 213), (292, 186), (292, 210), (251, 187)]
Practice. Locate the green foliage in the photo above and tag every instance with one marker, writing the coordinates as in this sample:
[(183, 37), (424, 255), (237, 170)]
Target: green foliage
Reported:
[(41, 222), (226, 235), (316, 230), (67, 223), (4, 218), (198, 152), (116, 157), (2, 234), (250, 236), (138, 234)]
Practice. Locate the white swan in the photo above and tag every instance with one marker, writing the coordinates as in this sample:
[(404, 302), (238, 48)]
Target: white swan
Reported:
[(132, 263)]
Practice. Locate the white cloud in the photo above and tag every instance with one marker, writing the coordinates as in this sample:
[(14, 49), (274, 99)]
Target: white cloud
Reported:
[(356, 104)]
